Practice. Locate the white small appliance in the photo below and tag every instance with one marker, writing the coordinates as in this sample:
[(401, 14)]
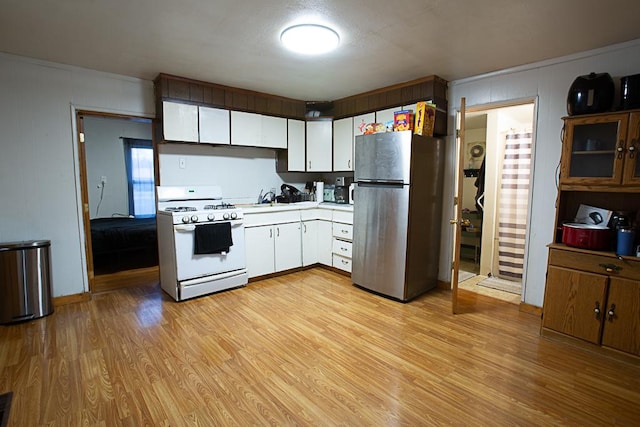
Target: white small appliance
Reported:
[(201, 243)]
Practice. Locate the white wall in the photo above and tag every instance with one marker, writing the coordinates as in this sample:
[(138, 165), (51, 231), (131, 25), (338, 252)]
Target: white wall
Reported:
[(38, 159), (104, 149), (549, 81), (241, 172)]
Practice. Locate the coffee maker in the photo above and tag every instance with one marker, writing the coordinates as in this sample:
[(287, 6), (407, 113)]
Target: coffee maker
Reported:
[(341, 190)]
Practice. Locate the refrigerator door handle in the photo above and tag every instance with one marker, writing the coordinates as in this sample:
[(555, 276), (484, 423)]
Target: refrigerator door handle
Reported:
[(381, 181)]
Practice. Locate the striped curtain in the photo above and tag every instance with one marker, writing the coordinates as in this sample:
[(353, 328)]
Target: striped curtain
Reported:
[(513, 205)]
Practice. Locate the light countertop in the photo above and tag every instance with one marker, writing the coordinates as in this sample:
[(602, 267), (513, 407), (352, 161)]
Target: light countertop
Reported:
[(278, 207)]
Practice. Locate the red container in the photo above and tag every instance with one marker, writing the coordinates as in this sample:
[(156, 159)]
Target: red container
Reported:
[(586, 236)]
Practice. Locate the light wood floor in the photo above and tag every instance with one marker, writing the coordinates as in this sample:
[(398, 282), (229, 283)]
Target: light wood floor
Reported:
[(304, 349)]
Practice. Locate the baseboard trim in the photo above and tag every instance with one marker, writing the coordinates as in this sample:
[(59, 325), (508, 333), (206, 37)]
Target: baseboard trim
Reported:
[(296, 269), (530, 309), (71, 299), (444, 285)]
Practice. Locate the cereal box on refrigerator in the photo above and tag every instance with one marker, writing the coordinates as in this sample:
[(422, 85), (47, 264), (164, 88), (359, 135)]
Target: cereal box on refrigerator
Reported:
[(424, 118), (402, 120)]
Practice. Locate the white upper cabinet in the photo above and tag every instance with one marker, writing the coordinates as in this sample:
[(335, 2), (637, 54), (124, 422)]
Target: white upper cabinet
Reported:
[(383, 116), (319, 141), (274, 132), (359, 120), (296, 146), (214, 125), (257, 130), (343, 144), (246, 128), (179, 122)]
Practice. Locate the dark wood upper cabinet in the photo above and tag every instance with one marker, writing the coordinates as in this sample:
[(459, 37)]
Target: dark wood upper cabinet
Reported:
[(433, 88)]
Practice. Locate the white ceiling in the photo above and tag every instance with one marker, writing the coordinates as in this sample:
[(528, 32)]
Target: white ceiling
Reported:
[(236, 43)]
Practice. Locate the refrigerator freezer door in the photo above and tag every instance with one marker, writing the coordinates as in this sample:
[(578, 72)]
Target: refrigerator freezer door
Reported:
[(383, 157), (380, 238)]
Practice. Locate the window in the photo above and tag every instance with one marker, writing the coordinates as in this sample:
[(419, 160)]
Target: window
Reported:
[(138, 154)]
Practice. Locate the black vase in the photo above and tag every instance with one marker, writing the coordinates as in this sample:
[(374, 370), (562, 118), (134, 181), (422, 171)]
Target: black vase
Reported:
[(590, 94)]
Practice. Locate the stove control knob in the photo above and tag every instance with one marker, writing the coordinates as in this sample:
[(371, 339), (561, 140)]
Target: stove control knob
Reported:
[(211, 217), (225, 215), (234, 215), (194, 218), (185, 219)]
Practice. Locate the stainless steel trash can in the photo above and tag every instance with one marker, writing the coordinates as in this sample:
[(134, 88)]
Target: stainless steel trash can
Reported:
[(25, 280)]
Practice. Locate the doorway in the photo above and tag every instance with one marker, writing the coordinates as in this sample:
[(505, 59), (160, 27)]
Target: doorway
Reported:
[(497, 162), (117, 177)]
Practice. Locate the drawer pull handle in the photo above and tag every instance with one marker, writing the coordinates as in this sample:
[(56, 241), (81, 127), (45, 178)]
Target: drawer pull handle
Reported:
[(597, 310), (344, 231), (620, 149), (345, 262), (612, 312), (611, 268), (343, 249)]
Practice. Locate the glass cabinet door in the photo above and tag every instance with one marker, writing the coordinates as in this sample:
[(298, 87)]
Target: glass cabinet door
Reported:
[(632, 165), (593, 149)]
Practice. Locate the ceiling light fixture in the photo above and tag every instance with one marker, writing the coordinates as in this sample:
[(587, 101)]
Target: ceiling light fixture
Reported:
[(310, 39)]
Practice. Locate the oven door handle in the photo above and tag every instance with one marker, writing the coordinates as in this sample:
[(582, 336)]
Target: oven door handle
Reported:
[(185, 227), (192, 227)]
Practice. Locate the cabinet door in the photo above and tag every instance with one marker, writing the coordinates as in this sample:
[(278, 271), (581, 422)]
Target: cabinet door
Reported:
[(259, 242), (309, 242), (360, 121), (246, 128), (214, 125), (384, 116), (343, 144), (574, 303), (325, 240), (632, 165), (179, 122), (622, 316), (319, 146), (593, 149), (274, 132), (295, 146), (288, 246)]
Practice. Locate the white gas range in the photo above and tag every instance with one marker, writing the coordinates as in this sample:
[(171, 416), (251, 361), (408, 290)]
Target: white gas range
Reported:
[(200, 242)]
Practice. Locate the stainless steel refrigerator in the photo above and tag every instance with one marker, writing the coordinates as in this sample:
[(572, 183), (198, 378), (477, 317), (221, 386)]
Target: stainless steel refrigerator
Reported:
[(397, 213)]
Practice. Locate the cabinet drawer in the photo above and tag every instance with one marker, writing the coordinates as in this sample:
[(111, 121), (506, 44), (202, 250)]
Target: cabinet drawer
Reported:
[(342, 263), (343, 231), (340, 247), (345, 217), (626, 268)]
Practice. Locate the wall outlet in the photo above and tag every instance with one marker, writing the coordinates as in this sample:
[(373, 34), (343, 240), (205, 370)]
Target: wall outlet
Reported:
[(103, 179), (183, 163)]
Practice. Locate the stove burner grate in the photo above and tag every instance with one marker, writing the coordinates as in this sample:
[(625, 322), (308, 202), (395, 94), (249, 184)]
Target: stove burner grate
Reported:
[(220, 206), (180, 209)]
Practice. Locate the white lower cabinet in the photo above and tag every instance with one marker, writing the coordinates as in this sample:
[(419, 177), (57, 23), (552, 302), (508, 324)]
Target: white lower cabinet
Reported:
[(325, 240), (342, 234), (309, 242), (282, 241), (273, 248), (260, 250), (288, 243)]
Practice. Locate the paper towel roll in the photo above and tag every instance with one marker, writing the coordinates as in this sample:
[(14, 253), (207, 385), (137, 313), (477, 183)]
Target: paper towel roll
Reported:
[(319, 191)]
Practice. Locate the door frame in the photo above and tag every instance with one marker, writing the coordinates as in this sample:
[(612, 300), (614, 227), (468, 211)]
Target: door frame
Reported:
[(82, 179), (459, 171)]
